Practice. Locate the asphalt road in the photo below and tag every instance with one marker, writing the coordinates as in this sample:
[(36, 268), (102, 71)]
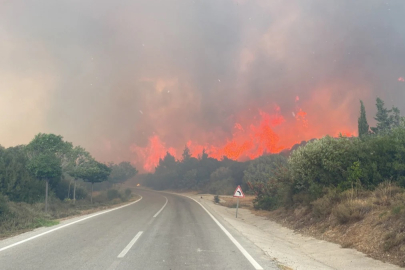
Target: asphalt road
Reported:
[(161, 231)]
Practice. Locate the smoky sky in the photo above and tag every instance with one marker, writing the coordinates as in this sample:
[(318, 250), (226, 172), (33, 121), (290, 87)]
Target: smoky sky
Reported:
[(107, 75)]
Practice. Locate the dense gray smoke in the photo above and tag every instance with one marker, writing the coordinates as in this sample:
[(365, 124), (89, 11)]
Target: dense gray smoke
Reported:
[(109, 75)]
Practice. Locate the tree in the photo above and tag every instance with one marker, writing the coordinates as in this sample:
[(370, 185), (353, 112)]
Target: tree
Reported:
[(121, 172), (186, 154), (363, 127), (16, 182), (395, 118), (45, 167), (48, 155), (382, 117), (78, 158), (94, 172), (263, 168), (221, 182)]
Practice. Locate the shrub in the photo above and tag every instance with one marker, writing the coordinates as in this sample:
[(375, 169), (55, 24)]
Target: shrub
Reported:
[(113, 194), (101, 198), (81, 193), (265, 203), (384, 193), (128, 192), (392, 239), (396, 210), (351, 211), (216, 199), (322, 207), (3, 205)]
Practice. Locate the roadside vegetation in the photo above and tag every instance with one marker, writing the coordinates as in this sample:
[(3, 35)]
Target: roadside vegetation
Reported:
[(348, 190), (50, 179)]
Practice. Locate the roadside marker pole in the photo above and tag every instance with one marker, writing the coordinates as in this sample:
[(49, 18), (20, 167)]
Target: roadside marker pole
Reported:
[(237, 206), (238, 194)]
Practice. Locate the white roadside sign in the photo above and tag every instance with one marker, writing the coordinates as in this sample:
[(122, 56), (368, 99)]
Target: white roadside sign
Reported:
[(239, 193)]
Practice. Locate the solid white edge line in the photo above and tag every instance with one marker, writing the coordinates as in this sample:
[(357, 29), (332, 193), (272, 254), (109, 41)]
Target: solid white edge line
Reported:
[(161, 209), (239, 246), (66, 225), (128, 247)]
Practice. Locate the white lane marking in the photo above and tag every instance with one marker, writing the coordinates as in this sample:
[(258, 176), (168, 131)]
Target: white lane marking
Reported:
[(239, 246), (128, 247), (66, 225), (161, 209)]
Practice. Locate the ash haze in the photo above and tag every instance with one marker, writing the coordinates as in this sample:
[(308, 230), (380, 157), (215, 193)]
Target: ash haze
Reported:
[(113, 75)]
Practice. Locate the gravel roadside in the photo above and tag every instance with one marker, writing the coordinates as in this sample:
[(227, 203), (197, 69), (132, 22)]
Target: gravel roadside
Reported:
[(292, 249)]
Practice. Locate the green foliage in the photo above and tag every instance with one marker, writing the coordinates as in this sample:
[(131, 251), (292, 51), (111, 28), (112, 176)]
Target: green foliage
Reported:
[(203, 174), (50, 144), (113, 194), (221, 182), (3, 205), (127, 193), (382, 118), (385, 120), (15, 180), (322, 163), (94, 172), (263, 168), (121, 172), (363, 127), (45, 167), (77, 158), (42, 222)]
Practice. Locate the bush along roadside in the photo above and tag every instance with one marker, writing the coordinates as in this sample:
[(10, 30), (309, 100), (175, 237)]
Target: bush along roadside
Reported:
[(18, 217)]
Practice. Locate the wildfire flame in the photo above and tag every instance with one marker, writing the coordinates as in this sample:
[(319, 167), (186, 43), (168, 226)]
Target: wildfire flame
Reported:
[(264, 133)]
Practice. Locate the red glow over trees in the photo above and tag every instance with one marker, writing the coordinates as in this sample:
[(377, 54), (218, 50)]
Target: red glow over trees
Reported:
[(264, 133)]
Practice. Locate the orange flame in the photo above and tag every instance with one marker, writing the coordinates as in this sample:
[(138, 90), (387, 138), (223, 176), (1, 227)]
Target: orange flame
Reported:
[(251, 137)]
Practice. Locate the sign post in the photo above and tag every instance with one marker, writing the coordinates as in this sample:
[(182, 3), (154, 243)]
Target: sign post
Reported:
[(238, 194)]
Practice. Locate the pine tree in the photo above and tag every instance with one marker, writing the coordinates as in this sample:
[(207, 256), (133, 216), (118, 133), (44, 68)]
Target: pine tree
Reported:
[(186, 154), (382, 117), (363, 126), (395, 118)]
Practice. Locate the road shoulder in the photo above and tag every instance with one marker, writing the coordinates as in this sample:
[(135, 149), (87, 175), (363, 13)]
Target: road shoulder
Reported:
[(289, 248)]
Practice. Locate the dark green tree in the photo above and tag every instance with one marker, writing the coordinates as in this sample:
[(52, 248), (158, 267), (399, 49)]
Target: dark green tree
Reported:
[(382, 117), (94, 172), (121, 172), (395, 118), (186, 154), (48, 155), (363, 127), (46, 167)]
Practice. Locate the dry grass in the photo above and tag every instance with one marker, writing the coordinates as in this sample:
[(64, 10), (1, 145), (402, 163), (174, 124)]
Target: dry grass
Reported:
[(283, 267), (230, 202), (23, 217), (371, 222)]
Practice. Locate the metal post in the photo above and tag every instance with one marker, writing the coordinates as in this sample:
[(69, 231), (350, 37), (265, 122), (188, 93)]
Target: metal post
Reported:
[(237, 206)]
